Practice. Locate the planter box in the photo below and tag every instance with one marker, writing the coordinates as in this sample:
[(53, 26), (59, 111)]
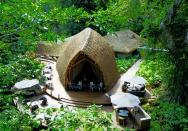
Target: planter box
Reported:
[(141, 118)]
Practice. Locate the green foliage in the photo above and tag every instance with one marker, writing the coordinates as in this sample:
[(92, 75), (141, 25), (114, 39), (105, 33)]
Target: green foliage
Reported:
[(167, 116), (88, 5), (167, 24), (135, 15), (91, 118), (22, 67), (156, 68), (17, 61), (5, 53), (175, 38), (10, 118), (124, 64), (111, 19), (155, 12), (53, 20), (28, 20), (134, 8)]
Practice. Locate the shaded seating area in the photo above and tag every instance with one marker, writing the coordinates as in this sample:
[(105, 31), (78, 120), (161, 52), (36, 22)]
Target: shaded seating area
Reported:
[(85, 75), (127, 108), (121, 103), (75, 86), (91, 87), (96, 86)]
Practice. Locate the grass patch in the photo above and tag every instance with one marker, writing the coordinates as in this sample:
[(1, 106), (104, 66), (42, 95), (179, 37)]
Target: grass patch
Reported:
[(124, 64)]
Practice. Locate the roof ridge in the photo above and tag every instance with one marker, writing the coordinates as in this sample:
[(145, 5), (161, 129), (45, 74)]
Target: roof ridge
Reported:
[(86, 41)]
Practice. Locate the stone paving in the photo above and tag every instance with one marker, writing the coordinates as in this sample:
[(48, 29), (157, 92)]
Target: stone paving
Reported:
[(125, 77)]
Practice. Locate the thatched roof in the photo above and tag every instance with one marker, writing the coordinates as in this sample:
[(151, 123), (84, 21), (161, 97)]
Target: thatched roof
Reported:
[(124, 41), (93, 46), (47, 48)]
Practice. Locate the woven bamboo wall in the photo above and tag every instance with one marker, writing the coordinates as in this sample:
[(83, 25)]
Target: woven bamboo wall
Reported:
[(95, 47)]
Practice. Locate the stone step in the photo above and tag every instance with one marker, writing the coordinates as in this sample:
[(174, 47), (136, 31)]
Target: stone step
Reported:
[(75, 103)]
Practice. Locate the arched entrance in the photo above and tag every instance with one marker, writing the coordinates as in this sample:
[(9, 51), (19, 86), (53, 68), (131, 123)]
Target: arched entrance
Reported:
[(84, 74)]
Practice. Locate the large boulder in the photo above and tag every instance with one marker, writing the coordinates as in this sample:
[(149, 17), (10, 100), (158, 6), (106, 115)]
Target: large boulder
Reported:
[(28, 86)]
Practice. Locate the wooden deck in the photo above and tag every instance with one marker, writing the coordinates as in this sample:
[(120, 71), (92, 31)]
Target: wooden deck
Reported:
[(84, 98), (75, 97)]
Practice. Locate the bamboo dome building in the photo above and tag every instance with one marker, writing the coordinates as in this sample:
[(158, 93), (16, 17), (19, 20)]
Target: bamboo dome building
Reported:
[(87, 59), (84, 70)]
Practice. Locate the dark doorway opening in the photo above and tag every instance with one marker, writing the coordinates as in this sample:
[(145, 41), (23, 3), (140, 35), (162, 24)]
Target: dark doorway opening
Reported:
[(84, 74)]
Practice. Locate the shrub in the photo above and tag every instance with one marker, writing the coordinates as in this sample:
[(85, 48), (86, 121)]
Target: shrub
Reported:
[(91, 118), (21, 68), (124, 64), (167, 116), (156, 68), (10, 118)]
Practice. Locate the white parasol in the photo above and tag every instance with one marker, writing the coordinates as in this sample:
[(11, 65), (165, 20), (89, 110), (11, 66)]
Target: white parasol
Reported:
[(121, 100)]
